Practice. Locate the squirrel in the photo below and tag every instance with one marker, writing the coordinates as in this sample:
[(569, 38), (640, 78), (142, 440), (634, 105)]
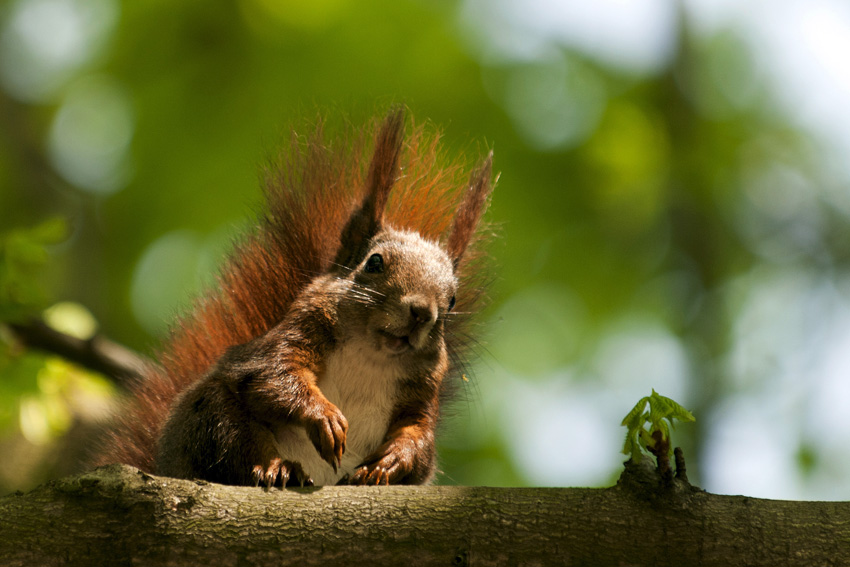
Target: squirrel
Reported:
[(339, 326)]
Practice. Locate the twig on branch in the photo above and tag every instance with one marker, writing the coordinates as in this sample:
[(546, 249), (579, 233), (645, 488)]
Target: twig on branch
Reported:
[(681, 468), (98, 353)]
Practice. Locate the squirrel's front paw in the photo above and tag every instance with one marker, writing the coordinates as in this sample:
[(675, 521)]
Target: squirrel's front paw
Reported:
[(387, 467), (281, 473), (327, 430)]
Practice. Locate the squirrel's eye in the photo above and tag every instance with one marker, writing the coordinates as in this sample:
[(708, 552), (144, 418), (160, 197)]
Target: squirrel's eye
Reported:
[(375, 264), (452, 303)]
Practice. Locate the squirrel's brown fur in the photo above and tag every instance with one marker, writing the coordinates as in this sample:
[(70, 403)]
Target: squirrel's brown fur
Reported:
[(311, 192)]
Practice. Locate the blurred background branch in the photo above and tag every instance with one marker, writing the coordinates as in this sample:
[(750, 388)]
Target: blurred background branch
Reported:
[(98, 353)]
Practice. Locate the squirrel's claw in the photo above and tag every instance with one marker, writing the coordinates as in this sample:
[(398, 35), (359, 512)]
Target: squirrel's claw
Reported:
[(371, 475), (392, 463), (383, 470), (281, 473), (328, 434)]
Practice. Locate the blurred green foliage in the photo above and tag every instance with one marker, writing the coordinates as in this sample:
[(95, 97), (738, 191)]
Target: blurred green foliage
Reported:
[(22, 256), (40, 395), (22, 259), (632, 204)]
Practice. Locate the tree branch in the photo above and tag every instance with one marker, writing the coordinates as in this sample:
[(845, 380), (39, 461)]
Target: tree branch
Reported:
[(118, 515), (100, 354)]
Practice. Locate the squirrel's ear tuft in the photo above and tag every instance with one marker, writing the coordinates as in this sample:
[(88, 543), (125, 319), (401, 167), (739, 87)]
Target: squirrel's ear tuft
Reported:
[(367, 219), (471, 209), (383, 170)]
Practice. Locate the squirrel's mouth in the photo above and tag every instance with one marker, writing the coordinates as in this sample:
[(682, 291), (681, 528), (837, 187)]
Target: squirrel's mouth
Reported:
[(395, 344)]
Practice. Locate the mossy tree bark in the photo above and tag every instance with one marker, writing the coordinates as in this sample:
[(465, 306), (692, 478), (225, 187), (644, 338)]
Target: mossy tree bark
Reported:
[(118, 515)]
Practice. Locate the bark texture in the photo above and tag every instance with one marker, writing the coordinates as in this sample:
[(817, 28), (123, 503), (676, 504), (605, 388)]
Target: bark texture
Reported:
[(117, 515)]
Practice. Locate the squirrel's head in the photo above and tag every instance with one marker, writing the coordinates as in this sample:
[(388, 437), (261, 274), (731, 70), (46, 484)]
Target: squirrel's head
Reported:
[(407, 283)]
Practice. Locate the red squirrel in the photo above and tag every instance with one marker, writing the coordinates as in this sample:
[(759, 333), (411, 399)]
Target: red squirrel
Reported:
[(338, 327)]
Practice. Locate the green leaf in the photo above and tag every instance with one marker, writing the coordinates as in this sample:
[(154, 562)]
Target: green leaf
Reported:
[(633, 418), (633, 422), (658, 408), (670, 409), (641, 424)]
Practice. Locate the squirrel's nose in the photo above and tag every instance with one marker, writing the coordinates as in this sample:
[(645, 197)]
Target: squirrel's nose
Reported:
[(422, 312)]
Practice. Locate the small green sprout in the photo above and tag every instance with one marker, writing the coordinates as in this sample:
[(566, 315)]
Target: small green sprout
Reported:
[(659, 418)]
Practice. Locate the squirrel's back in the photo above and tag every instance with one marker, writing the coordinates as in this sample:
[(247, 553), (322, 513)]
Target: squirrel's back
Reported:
[(311, 190)]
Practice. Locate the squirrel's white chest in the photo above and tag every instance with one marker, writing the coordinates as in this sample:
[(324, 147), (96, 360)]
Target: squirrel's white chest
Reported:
[(363, 385)]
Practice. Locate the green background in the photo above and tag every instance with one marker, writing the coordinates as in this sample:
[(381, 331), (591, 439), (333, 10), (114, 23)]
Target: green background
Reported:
[(661, 226)]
